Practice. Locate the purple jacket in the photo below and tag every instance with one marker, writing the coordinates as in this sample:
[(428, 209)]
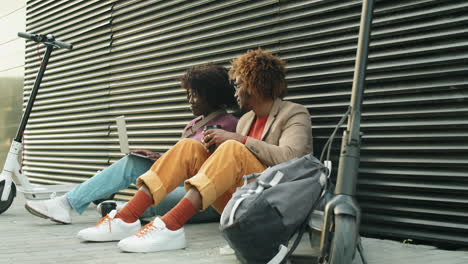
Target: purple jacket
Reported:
[(227, 121)]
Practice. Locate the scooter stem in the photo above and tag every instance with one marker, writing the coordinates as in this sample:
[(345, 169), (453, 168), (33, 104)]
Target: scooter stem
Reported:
[(32, 97), (350, 150)]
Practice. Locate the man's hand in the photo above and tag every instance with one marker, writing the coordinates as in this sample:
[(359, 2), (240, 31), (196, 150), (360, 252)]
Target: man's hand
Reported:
[(151, 155), (218, 137)]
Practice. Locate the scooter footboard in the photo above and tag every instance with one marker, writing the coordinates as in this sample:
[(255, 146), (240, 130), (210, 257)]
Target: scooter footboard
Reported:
[(43, 192)]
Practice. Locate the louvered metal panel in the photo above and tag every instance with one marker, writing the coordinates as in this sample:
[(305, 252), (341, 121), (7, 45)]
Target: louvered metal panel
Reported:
[(413, 177), (66, 139), (414, 169), (420, 71)]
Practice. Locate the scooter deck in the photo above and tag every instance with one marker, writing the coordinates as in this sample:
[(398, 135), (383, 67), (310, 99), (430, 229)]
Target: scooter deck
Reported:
[(43, 192)]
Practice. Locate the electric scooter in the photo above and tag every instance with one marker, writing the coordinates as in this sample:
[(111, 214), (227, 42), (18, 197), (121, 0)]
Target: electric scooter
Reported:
[(342, 215), (12, 176)]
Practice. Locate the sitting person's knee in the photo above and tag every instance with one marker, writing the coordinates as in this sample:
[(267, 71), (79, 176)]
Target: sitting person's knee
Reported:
[(231, 144), (190, 143)]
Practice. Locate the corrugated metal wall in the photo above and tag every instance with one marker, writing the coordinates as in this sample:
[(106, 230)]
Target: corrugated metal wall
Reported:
[(414, 166), (414, 170), (67, 135)]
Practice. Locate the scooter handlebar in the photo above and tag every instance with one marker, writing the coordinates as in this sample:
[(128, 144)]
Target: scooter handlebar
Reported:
[(48, 39), (27, 36), (63, 44)]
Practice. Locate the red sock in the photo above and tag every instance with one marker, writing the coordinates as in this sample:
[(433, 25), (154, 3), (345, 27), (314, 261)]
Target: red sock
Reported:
[(179, 215), (135, 207)]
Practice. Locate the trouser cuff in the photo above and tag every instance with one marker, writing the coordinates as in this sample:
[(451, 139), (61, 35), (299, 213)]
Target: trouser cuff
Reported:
[(206, 188), (154, 184)]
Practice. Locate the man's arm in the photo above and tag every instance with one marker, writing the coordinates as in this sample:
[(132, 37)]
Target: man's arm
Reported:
[(295, 140)]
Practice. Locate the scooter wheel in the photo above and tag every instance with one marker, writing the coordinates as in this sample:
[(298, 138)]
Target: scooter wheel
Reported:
[(4, 205), (344, 242)]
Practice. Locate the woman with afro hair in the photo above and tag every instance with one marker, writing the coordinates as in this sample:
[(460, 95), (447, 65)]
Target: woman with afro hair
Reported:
[(271, 132)]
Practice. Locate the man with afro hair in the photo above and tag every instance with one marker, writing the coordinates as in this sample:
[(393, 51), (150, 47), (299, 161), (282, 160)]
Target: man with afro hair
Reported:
[(271, 132)]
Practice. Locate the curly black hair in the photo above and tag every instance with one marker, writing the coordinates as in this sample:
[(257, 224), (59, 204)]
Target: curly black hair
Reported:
[(212, 82)]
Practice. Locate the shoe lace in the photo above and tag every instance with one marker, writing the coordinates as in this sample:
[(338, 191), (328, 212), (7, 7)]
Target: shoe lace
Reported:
[(107, 219), (145, 229)]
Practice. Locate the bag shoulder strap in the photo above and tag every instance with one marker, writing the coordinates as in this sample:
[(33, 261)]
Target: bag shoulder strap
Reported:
[(204, 121)]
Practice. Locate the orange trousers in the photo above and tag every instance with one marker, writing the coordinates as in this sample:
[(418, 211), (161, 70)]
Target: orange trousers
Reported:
[(215, 176)]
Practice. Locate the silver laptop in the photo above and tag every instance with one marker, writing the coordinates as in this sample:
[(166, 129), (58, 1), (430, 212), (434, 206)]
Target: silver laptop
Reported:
[(123, 138)]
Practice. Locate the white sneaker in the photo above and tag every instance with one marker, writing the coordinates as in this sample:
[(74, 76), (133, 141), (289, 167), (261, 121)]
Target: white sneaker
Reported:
[(154, 237), (109, 229), (57, 209)]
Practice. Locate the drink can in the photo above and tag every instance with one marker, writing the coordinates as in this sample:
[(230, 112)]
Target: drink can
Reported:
[(212, 148)]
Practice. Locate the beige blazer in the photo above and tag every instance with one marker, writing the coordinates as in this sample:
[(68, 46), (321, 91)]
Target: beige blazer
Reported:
[(287, 133)]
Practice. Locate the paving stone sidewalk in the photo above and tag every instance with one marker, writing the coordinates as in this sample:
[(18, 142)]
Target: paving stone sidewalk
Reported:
[(27, 239)]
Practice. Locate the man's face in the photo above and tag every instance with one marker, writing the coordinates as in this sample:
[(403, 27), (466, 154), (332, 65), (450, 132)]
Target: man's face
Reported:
[(244, 100)]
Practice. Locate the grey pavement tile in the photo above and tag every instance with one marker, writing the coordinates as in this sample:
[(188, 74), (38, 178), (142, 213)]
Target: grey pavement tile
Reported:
[(27, 239)]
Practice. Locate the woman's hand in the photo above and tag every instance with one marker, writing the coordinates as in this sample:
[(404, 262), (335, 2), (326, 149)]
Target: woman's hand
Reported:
[(218, 137), (147, 153)]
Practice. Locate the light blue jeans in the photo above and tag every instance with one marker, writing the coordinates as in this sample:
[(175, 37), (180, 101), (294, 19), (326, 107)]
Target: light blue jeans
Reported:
[(119, 176)]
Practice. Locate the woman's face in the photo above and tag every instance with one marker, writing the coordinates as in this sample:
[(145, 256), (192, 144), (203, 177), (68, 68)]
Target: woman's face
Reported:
[(198, 104)]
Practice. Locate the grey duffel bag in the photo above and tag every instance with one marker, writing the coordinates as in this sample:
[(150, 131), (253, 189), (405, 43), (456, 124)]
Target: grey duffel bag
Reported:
[(263, 215)]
